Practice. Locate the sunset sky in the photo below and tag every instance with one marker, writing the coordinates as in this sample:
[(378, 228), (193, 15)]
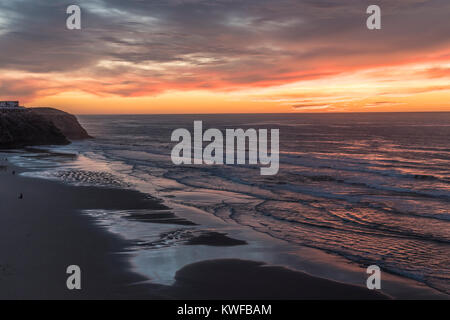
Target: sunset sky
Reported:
[(217, 56)]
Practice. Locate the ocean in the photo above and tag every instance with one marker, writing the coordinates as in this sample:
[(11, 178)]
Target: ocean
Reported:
[(373, 188)]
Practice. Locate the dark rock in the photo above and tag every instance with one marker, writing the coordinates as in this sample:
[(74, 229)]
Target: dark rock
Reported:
[(38, 126), (65, 122), (26, 128)]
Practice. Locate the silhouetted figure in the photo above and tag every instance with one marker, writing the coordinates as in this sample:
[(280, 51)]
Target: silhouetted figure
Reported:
[(13, 172), (21, 196)]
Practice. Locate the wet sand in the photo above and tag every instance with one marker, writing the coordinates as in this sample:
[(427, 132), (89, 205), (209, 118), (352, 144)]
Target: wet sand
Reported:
[(45, 232)]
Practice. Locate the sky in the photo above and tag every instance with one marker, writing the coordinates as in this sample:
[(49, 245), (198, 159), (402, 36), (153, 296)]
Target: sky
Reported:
[(226, 56)]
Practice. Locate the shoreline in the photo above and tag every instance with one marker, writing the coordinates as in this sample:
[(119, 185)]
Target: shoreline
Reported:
[(42, 234), (50, 233)]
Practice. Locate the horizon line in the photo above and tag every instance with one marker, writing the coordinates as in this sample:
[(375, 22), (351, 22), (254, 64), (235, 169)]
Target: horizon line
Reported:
[(254, 113)]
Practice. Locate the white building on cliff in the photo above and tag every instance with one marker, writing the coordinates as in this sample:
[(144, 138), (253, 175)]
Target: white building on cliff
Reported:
[(10, 105)]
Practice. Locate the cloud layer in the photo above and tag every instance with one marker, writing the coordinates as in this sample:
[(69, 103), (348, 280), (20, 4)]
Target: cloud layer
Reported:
[(139, 48)]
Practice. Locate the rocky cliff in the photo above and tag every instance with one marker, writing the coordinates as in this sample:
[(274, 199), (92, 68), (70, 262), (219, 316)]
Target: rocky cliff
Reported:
[(65, 122), (31, 127)]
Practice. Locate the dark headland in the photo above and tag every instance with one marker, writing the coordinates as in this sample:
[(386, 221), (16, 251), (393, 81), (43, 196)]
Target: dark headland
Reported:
[(20, 127)]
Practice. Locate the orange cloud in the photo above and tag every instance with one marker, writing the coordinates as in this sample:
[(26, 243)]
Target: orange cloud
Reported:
[(295, 56)]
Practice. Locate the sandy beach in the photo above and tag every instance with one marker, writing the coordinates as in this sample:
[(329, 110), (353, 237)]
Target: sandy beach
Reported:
[(45, 232)]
